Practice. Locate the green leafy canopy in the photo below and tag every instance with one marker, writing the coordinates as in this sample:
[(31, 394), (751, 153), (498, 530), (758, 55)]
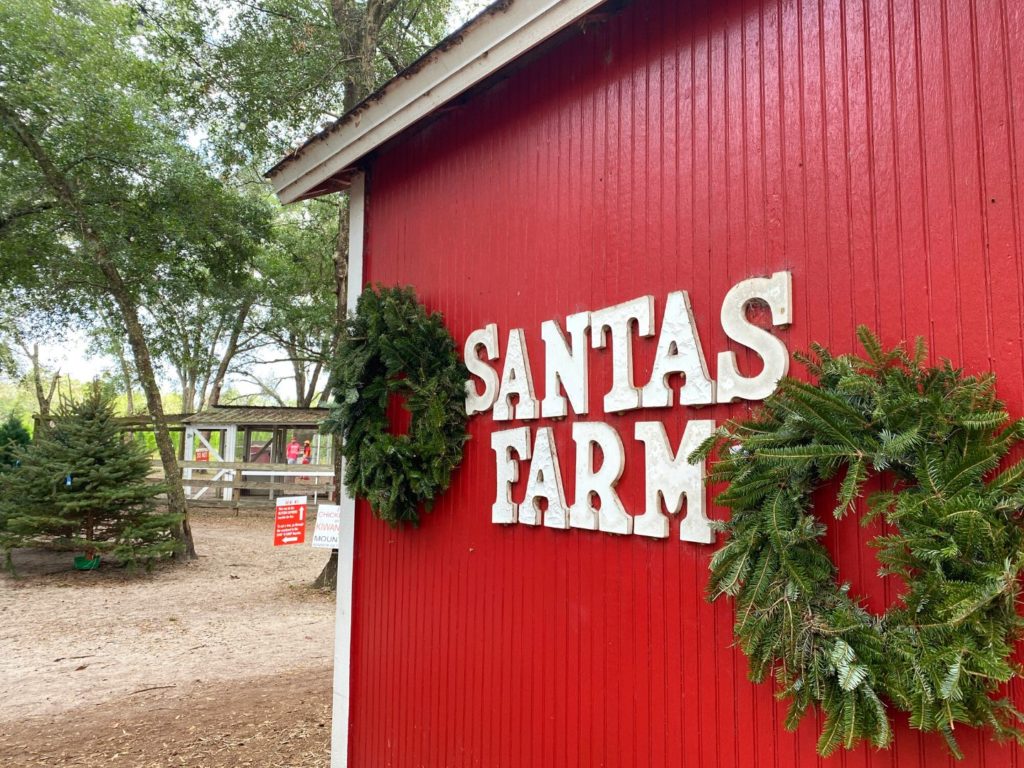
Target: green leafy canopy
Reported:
[(13, 437), (263, 76), (77, 81), (943, 652)]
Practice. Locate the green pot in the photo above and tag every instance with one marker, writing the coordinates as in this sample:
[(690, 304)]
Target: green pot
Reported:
[(85, 563)]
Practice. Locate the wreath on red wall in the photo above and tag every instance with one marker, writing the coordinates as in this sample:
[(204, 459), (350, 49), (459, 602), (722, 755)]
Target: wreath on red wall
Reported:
[(392, 346), (943, 652)]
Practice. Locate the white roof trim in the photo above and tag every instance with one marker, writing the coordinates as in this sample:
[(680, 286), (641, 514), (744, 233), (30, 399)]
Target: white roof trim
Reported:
[(487, 46)]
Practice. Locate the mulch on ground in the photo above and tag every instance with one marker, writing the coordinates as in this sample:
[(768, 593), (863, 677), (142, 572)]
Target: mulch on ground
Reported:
[(268, 722)]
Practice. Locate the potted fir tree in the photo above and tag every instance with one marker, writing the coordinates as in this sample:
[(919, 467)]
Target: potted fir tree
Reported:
[(83, 487)]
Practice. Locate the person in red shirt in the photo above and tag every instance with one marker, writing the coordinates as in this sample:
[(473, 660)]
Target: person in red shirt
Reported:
[(293, 451), (307, 457)]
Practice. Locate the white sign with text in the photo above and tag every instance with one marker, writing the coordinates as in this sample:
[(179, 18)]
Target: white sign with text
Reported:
[(328, 526), (679, 376)]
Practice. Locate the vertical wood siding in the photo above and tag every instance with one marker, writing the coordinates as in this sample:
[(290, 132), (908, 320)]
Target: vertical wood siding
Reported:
[(871, 147)]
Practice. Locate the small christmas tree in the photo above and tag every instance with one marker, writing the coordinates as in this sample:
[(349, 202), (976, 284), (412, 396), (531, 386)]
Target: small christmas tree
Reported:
[(82, 487), (13, 436)]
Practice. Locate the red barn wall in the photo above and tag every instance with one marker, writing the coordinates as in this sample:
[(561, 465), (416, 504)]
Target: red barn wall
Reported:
[(872, 148)]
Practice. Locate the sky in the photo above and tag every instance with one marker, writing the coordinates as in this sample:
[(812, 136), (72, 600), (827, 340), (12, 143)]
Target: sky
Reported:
[(72, 357), (463, 10)]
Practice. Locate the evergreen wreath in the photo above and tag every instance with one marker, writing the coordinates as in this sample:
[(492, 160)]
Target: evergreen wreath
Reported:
[(943, 651), (390, 346)]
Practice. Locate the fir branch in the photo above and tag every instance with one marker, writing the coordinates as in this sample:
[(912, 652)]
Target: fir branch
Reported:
[(942, 652)]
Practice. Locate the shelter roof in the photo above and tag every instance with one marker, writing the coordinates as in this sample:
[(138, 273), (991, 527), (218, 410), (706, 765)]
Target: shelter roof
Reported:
[(257, 416), (498, 36)]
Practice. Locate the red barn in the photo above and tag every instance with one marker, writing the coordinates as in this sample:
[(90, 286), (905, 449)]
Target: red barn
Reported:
[(567, 158)]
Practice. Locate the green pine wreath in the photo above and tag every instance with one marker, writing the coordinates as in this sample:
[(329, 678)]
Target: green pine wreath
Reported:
[(392, 346), (943, 652)]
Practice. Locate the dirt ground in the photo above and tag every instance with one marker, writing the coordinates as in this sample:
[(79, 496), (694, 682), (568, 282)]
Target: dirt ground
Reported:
[(221, 662)]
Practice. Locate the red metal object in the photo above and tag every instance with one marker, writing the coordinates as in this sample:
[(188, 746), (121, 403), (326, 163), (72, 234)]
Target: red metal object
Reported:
[(872, 148)]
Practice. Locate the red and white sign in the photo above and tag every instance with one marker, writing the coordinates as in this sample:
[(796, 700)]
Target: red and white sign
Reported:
[(290, 521), (202, 454)]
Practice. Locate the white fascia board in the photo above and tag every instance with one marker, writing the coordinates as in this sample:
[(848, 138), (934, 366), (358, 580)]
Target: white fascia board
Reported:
[(341, 711), (485, 48)]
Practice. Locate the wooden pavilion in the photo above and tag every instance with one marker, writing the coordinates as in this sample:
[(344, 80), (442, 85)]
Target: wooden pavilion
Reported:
[(241, 450)]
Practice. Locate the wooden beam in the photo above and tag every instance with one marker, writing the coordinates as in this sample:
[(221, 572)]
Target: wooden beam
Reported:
[(246, 485)]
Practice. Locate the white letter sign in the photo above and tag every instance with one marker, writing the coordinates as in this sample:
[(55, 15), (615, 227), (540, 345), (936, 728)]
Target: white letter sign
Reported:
[(624, 396), (670, 478), (504, 443), (516, 379), (486, 338), (777, 292), (612, 516), (679, 377), (545, 483), (679, 351), (564, 367)]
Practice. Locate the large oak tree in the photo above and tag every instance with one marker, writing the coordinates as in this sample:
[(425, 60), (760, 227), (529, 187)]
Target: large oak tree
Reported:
[(271, 73), (101, 199)]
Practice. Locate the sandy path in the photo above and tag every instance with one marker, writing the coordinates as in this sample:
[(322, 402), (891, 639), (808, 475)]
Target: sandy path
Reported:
[(244, 610), (278, 722)]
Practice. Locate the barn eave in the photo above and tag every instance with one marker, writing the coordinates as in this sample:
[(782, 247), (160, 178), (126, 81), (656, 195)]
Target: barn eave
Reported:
[(498, 36)]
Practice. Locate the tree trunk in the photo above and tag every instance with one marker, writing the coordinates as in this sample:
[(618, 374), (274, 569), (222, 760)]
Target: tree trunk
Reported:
[(314, 379), (211, 353), (37, 381), (328, 578), (340, 290), (298, 357), (188, 393), (126, 374), (147, 378), (203, 388), (357, 29), (229, 353), (42, 397)]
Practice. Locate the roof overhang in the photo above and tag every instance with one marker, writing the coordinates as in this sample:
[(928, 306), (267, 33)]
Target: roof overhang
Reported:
[(257, 416), (503, 33)]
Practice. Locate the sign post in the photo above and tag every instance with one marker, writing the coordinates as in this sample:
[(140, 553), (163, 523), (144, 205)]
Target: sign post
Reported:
[(290, 520)]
